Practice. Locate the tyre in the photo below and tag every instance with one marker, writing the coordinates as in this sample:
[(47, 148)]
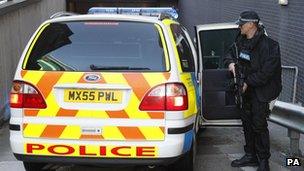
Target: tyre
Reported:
[(29, 166)]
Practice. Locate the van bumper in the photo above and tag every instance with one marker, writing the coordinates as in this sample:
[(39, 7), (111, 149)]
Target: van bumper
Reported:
[(97, 161)]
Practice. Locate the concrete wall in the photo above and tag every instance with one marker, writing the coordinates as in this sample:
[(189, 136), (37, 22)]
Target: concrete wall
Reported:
[(16, 28), (283, 23)]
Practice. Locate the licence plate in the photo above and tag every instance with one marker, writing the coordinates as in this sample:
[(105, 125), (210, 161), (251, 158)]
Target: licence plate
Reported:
[(92, 96)]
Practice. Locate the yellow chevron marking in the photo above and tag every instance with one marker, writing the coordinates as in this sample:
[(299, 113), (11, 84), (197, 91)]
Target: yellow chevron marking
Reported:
[(133, 110), (70, 77), (34, 130), (133, 104), (52, 106), (71, 132), (33, 76), (114, 78), (152, 133), (154, 78), (112, 132), (73, 77), (92, 114)]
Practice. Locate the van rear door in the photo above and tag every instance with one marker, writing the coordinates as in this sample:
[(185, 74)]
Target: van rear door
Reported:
[(93, 76)]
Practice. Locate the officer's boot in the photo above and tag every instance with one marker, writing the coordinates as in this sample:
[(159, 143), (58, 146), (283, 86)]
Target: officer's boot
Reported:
[(264, 165), (247, 160)]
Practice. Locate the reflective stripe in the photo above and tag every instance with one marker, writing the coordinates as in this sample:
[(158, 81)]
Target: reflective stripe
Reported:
[(45, 81), (132, 109), (52, 131), (113, 133), (33, 76), (152, 133), (67, 113), (52, 107), (138, 83), (93, 114), (154, 79), (71, 132), (117, 114), (31, 130), (132, 133), (34, 130)]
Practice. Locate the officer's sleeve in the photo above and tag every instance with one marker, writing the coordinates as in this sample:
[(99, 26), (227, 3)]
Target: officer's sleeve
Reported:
[(229, 57), (270, 65)]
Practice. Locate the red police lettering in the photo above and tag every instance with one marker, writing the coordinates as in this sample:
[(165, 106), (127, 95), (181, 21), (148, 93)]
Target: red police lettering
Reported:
[(102, 151), (31, 147), (82, 151), (69, 150), (144, 151), (115, 151)]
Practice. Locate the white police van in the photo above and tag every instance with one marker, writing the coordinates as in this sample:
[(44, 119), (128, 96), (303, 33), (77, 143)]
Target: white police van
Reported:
[(115, 88)]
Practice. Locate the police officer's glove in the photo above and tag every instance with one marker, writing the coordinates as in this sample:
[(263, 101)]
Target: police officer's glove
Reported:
[(231, 68)]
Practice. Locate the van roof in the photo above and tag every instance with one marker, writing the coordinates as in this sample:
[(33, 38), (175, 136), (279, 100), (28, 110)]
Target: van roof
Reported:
[(121, 17)]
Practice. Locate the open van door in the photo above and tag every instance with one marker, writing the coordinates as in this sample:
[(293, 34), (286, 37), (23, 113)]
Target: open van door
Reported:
[(218, 100)]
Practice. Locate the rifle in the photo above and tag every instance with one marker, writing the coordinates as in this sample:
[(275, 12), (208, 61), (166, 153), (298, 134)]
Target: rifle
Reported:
[(238, 80)]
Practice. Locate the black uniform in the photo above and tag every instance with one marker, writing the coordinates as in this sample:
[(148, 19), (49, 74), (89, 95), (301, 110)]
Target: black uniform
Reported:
[(263, 77)]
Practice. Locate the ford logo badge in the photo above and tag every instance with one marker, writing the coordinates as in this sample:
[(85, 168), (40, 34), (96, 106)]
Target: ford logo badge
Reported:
[(92, 77)]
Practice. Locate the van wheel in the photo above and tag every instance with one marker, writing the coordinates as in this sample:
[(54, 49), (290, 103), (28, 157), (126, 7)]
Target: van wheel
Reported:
[(186, 163), (34, 166)]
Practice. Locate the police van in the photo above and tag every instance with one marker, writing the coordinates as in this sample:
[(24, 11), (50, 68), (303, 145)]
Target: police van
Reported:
[(119, 86)]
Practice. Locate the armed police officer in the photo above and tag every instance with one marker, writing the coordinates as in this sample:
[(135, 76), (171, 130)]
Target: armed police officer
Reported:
[(258, 57)]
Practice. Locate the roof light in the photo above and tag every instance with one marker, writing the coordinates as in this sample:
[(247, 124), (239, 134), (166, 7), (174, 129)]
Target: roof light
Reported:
[(134, 11), (103, 10)]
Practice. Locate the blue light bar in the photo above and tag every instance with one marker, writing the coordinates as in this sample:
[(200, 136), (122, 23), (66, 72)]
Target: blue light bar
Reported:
[(135, 11), (102, 10)]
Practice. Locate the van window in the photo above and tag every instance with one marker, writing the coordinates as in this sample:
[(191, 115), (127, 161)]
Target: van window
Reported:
[(98, 45), (214, 45), (183, 49)]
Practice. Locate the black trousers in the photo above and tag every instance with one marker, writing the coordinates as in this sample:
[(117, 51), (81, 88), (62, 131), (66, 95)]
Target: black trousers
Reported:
[(255, 125)]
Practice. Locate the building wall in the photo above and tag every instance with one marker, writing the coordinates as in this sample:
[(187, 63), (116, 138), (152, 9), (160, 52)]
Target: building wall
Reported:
[(283, 23), (82, 6), (16, 28)]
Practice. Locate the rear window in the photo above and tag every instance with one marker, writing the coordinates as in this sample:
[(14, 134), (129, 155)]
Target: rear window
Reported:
[(98, 45)]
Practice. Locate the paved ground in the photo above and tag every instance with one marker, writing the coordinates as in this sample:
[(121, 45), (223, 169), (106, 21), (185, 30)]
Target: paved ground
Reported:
[(217, 148)]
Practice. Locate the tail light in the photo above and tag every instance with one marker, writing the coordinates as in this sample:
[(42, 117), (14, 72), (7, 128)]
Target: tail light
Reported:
[(24, 95), (169, 96)]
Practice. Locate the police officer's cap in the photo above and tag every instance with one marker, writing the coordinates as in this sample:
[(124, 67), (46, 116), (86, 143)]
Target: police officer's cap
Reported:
[(248, 16)]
